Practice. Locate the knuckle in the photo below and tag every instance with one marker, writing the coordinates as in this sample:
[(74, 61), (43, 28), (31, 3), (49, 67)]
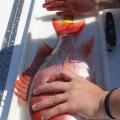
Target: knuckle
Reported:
[(59, 109), (51, 86), (52, 100), (70, 86), (70, 95)]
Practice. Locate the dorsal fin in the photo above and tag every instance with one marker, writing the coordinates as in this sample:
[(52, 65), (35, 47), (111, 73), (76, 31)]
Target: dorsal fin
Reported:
[(86, 47), (64, 27)]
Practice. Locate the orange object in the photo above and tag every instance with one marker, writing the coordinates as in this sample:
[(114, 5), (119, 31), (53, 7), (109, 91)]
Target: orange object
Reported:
[(66, 27)]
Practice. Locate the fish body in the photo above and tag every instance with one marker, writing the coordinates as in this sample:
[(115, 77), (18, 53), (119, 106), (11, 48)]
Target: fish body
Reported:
[(65, 56)]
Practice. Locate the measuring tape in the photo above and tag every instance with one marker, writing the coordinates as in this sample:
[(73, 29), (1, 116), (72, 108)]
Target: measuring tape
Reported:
[(8, 44)]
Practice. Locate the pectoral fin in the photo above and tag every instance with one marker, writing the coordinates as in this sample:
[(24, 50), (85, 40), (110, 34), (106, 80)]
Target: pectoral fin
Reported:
[(87, 46)]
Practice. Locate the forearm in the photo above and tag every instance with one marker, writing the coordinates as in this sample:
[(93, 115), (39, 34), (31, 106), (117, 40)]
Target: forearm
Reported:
[(106, 4)]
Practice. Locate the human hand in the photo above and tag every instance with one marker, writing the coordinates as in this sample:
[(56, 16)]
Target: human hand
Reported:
[(71, 7), (76, 96)]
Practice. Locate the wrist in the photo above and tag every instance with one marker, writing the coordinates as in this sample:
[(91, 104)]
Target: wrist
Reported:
[(101, 111), (115, 103), (110, 104)]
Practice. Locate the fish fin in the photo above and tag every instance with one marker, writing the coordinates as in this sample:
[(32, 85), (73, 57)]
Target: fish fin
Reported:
[(20, 95), (64, 27), (23, 83), (86, 47), (42, 53)]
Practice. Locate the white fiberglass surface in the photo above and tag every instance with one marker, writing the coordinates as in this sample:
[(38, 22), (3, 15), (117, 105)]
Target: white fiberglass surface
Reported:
[(113, 57)]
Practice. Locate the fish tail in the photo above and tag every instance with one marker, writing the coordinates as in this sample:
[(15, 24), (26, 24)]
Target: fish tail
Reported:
[(67, 26)]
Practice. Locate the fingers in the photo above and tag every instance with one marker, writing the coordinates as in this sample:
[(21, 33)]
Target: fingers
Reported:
[(51, 87), (69, 74), (50, 101), (64, 75), (58, 77), (50, 1), (56, 5), (57, 86), (57, 8), (53, 4), (57, 110), (72, 76)]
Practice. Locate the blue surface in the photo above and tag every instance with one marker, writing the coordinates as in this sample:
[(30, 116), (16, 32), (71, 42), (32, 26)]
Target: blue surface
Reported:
[(8, 43)]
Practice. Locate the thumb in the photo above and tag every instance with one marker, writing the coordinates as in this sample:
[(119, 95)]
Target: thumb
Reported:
[(59, 76)]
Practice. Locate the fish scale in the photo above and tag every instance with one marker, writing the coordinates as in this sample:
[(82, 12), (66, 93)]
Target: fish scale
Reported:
[(8, 44)]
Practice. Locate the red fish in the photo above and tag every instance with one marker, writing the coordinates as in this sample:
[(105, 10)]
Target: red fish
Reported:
[(65, 56)]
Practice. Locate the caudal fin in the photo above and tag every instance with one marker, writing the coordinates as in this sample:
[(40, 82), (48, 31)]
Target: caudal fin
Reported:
[(65, 27)]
